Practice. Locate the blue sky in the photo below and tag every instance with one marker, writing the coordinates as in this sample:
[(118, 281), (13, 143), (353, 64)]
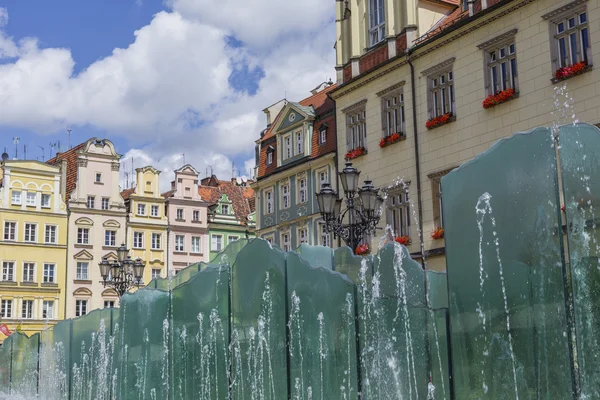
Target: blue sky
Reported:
[(158, 78)]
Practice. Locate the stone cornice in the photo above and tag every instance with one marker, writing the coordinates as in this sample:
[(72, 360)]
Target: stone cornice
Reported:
[(368, 78), (391, 89), (565, 8), (437, 174), (439, 67), (497, 40), (355, 106)]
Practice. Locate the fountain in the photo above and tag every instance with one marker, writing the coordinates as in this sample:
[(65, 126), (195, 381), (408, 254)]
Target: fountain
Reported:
[(516, 317)]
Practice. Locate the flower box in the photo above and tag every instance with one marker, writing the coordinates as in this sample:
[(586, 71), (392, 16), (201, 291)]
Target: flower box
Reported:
[(355, 153), (494, 99), (572, 70), (403, 240), (438, 233), (439, 121), (393, 138), (362, 250)]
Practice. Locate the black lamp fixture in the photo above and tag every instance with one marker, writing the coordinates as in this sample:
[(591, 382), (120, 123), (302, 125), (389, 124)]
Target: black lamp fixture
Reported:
[(123, 274), (363, 208)]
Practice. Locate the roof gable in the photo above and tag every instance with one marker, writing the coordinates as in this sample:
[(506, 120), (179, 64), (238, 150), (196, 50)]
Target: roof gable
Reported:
[(84, 255), (292, 115)]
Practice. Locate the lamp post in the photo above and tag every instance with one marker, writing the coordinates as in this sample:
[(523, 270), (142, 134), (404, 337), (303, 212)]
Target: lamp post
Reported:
[(363, 208), (123, 274)]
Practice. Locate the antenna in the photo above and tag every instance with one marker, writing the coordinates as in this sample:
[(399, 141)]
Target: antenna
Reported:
[(25, 152), (131, 173), (16, 143), (69, 133), (43, 158), (127, 179), (183, 154), (232, 169)]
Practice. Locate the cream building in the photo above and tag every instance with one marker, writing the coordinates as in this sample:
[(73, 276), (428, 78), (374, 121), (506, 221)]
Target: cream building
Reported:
[(97, 222), (403, 63), (147, 223), (33, 248)]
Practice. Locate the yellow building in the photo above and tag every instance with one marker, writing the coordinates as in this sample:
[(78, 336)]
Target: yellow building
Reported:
[(33, 249), (147, 223)]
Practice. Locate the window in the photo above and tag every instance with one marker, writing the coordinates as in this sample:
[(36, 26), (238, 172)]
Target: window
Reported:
[(376, 21), (50, 234), (302, 191), (571, 38), (501, 68), (285, 195), (105, 203), (30, 232), (232, 238), (155, 273), (141, 209), (356, 133), (109, 304), (323, 134), (393, 114), (196, 215), (288, 146), (80, 307), (110, 238), (98, 177), (30, 199), (48, 273), (45, 201), (269, 239), (91, 200), (441, 93), (188, 192), (138, 240), (436, 188), (179, 239), (216, 242), (8, 271), (83, 235), (269, 157), (82, 271), (28, 272), (16, 197), (269, 201), (299, 142), (285, 242), (48, 309), (180, 213), (398, 216), (303, 235), (196, 244), (324, 236), (224, 209), (154, 211), (149, 186), (10, 230), (323, 178), (156, 238), (6, 309), (27, 309)]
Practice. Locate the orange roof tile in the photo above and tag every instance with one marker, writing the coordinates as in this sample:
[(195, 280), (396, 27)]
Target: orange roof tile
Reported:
[(126, 193), (238, 195), (71, 157)]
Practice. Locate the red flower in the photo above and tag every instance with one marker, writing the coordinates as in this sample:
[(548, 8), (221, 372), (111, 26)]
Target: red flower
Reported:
[(571, 70), (404, 240), (498, 98), (383, 142), (562, 208), (438, 121), (362, 249), (386, 141), (438, 233), (355, 153)]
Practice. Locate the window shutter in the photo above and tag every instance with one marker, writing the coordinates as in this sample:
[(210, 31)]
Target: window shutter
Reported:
[(436, 202), (349, 139), (429, 98)]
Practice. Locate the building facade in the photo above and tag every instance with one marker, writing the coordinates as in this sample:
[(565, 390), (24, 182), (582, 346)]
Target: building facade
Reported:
[(33, 249), (147, 223), (295, 155), (450, 80), (187, 213), (97, 222), (230, 213)]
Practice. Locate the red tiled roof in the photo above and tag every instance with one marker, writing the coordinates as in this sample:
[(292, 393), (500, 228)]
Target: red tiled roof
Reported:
[(168, 194), (71, 157), (126, 193), (238, 195), (453, 17)]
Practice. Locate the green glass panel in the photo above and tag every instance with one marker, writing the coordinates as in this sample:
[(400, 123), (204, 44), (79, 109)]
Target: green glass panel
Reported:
[(438, 345), (142, 346), (347, 263), (322, 332), (5, 355), (259, 323), (316, 256), (201, 335), (54, 361), (438, 289), (580, 165), (91, 356), (24, 359), (505, 273)]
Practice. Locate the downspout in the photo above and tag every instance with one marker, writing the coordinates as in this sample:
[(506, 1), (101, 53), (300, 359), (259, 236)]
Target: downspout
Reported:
[(335, 156)]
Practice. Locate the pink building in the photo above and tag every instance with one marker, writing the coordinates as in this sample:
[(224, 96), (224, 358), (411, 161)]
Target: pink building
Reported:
[(188, 221)]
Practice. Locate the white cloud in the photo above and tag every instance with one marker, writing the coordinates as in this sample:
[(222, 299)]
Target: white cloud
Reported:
[(169, 92)]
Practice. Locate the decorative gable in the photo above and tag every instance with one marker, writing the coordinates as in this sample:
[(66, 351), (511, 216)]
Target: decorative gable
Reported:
[(84, 255), (291, 117)]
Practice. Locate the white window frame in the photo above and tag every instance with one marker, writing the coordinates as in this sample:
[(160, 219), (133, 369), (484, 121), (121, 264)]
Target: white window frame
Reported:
[(299, 142), (567, 33), (323, 177), (269, 157), (501, 65), (441, 93), (225, 209), (141, 209), (216, 242), (110, 238), (180, 243), (302, 190), (180, 214), (156, 272), (376, 21), (285, 196), (31, 199), (98, 178), (6, 308), (109, 303), (138, 240), (105, 204), (28, 272), (47, 276), (50, 234), (323, 135), (324, 237), (10, 231), (47, 309), (356, 129), (81, 306), (82, 271), (196, 245), (392, 111), (303, 235), (156, 241), (269, 201), (26, 309), (28, 237), (45, 196), (232, 238), (398, 211), (91, 202), (287, 145), (83, 235), (16, 197), (154, 211), (196, 215), (8, 271)]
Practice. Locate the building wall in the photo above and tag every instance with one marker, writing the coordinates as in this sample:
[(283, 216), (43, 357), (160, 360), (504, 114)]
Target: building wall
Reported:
[(475, 128), (38, 178)]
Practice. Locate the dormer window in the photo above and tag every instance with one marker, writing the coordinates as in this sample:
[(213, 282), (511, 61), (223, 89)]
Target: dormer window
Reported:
[(323, 134), (299, 142), (376, 21), (224, 209), (269, 158), (288, 146)]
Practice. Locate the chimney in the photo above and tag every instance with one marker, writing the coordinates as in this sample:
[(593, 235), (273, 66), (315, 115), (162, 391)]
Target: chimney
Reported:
[(63, 179)]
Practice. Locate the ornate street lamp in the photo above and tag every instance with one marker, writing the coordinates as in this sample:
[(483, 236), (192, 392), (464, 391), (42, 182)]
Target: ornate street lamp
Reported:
[(363, 208), (123, 274)]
